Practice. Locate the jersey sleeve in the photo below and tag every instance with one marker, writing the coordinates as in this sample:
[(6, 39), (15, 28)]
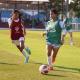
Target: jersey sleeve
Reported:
[(46, 25), (9, 21), (62, 25)]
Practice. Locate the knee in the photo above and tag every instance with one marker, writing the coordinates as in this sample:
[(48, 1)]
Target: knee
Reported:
[(22, 47)]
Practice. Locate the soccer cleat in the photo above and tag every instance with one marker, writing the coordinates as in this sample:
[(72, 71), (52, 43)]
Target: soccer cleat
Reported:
[(26, 60), (28, 50), (50, 68)]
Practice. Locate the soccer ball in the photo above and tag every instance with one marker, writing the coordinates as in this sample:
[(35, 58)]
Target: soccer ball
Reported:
[(43, 69)]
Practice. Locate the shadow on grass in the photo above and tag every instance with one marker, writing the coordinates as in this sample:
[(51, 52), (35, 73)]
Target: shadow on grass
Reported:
[(55, 75), (33, 62), (68, 69), (5, 63)]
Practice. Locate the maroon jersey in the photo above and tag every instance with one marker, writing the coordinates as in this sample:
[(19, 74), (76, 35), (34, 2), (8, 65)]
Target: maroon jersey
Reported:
[(16, 30)]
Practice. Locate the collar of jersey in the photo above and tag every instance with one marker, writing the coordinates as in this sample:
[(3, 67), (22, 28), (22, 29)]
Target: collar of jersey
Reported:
[(16, 20)]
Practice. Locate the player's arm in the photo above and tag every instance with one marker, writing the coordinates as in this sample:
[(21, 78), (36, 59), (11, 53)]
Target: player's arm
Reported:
[(63, 29), (44, 34), (10, 22), (46, 29)]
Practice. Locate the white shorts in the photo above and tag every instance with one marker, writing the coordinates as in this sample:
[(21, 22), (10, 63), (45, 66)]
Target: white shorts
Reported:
[(17, 42), (54, 45), (64, 32)]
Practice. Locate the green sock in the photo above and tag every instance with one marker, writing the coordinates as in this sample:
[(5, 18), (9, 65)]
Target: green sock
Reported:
[(24, 53), (28, 50)]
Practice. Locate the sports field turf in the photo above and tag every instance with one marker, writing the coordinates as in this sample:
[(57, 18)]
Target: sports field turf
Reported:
[(12, 67)]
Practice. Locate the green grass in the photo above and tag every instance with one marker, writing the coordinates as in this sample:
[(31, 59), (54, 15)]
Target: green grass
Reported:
[(12, 67)]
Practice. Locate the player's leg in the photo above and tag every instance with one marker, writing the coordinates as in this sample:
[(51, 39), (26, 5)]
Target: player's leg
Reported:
[(55, 51), (71, 38), (17, 43), (25, 50), (49, 51), (64, 32), (62, 38), (18, 46)]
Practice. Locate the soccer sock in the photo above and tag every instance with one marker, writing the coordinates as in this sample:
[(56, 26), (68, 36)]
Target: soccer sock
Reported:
[(24, 53), (49, 61), (27, 49)]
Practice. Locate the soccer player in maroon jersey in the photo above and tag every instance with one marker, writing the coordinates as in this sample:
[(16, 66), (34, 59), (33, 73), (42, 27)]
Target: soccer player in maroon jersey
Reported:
[(18, 33)]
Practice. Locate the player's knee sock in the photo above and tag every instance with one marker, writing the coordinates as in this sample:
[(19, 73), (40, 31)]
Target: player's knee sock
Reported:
[(26, 56), (27, 49), (24, 53), (49, 61)]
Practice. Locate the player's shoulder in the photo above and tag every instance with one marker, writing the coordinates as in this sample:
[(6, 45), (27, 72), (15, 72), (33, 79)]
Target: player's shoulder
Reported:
[(60, 21), (48, 21), (9, 19)]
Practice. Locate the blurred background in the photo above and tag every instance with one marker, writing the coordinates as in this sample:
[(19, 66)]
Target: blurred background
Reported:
[(35, 13)]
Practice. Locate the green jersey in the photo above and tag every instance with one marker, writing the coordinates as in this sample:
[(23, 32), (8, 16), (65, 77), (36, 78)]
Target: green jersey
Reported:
[(67, 23), (53, 32)]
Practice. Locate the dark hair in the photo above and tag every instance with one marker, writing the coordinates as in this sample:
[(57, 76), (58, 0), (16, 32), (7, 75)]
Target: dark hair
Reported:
[(17, 11), (54, 11)]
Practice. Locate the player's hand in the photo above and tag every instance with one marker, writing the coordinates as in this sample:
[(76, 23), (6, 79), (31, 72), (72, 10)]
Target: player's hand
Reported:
[(43, 34)]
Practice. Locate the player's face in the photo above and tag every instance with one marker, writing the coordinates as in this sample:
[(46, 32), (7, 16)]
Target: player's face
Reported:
[(53, 15), (15, 15)]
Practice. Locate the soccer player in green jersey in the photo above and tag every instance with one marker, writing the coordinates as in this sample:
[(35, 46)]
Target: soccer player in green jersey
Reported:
[(54, 29), (68, 26)]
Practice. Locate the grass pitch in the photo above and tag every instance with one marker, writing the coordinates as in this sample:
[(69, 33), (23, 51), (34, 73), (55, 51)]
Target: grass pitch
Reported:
[(12, 67)]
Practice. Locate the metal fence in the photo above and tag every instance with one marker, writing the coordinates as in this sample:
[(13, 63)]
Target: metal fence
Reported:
[(76, 26)]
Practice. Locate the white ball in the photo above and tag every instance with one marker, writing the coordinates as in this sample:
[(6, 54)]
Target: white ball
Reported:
[(43, 69)]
